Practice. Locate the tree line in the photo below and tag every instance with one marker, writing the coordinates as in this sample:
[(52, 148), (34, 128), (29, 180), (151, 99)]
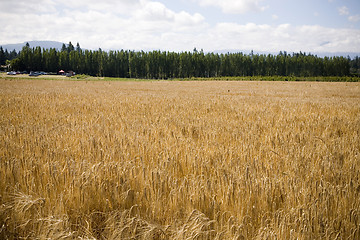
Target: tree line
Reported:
[(5, 55), (165, 64)]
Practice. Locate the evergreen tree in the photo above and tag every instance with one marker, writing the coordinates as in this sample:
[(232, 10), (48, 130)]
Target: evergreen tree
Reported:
[(36, 64), (161, 64), (70, 47), (78, 48), (25, 59), (12, 55), (64, 61), (63, 48), (2, 56)]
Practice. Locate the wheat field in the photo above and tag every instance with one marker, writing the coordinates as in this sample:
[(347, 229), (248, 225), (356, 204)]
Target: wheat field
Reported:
[(179, 160)]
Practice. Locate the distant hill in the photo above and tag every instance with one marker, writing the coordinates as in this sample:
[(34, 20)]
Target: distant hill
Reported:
[(352, 55), (42, 44)]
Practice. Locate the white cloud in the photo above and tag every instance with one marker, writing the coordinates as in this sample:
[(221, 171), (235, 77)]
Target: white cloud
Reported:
[(128, 24), (309, 38), (355, 18), (21, 7), (119, 6), (343, 10), (154, 11), (274, 17), (234, 6), (158, 12), (148, 24)]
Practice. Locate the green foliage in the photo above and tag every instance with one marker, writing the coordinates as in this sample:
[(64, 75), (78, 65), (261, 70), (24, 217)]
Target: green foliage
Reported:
[(165, 65), (2, 56)]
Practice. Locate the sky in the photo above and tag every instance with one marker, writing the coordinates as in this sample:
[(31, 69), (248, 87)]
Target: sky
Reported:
[(169, 25)]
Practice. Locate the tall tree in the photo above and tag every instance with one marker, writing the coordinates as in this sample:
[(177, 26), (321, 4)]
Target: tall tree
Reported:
[(78, 48), (162, 64), (36, 63), (63, 48), (70, 47), (2, 56)]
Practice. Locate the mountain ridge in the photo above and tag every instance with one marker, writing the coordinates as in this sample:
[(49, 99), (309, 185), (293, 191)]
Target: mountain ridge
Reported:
[(42, 44)]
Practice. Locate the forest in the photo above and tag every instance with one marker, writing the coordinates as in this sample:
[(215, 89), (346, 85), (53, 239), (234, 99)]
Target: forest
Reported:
[(165, 64)]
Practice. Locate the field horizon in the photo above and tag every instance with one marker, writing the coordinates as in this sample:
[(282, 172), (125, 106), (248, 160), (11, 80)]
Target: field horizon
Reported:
[(83, 77), (179, 159)]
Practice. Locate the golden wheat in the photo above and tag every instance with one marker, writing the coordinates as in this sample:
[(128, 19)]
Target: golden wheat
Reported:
[(179, 160)]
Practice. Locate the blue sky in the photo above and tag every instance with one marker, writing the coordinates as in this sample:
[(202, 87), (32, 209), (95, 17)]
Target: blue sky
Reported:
[(260, 25)]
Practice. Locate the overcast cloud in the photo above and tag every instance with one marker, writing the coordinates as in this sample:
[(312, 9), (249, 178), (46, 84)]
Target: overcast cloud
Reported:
[(185, 24), (231, 6)]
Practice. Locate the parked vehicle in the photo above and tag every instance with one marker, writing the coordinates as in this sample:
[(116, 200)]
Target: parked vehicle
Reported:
[(34, 74), (70, 73)]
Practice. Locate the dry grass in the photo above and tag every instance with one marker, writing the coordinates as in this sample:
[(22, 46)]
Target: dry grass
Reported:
[(179, 160)]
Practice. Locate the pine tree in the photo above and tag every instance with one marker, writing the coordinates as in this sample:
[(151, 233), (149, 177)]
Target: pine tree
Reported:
[(2, 56), (78, 48), (70, 47), (63, 48)]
